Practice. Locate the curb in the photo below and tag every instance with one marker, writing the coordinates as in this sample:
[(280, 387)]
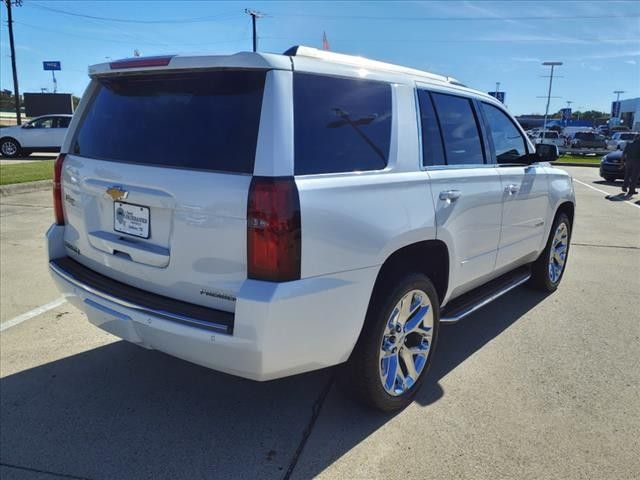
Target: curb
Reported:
[(572, 164), (25, 187)]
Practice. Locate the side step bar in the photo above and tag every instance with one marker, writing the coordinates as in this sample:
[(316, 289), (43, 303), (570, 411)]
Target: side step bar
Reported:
[(477, 298)]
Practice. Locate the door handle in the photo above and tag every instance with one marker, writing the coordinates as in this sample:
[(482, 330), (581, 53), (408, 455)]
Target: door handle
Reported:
[(450, 195), (512, 189)]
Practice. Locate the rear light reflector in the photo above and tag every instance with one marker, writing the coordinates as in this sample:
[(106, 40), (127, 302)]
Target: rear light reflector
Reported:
[(141, 62), (273, 229), (57, 189)]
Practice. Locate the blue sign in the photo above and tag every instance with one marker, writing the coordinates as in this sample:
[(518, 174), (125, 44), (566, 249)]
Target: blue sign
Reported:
[(615, 109), (51, 65), (498, 96), (566, 114)]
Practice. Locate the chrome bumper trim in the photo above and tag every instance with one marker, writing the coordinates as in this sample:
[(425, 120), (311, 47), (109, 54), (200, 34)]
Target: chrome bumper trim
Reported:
[(194, 322)]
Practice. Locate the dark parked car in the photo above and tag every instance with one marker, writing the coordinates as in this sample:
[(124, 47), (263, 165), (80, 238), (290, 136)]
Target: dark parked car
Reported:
[(611, 167), (588, 140)]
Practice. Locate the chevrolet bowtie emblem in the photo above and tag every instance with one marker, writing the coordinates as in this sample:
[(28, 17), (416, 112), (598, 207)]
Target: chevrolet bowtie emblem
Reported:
[(117, 193)]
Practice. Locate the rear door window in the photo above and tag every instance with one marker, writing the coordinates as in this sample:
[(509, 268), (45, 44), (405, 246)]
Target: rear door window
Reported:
[(203, 120), (432, 149), (462, 142), (341, 124), (508, 142)]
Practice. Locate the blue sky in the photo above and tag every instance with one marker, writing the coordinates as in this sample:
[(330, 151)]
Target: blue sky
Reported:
[(480, 43)]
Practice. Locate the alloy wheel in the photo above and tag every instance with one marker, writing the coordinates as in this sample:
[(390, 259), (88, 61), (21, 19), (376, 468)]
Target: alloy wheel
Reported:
[(406, 342)]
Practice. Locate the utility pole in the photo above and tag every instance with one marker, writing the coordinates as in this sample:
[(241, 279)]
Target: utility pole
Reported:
[(254, 14), (546, 111), (16, 90)]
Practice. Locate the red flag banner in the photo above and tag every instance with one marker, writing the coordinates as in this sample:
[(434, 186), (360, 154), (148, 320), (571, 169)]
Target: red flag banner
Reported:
[(325, 42)]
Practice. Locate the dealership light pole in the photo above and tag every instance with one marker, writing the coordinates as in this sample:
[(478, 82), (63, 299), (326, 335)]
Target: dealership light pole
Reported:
[(546, 111), (618, 92)]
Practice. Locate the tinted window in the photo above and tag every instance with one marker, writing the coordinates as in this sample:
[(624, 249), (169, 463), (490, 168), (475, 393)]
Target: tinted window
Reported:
[(508, 143), (432, 151), (43, 123), (206, 120), (63, 122), (341, 125), (460, 129)]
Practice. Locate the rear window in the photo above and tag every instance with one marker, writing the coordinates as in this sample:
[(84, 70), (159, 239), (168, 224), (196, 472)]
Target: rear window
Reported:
[(585, 136), (627, 136), (204, 121), (459, 125), (341, 124)]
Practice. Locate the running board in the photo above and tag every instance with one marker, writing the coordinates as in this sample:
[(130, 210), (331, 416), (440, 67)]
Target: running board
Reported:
[(479, 297)]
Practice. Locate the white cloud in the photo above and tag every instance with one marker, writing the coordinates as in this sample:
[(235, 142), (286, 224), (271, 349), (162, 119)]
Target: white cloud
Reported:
[(631, 62)]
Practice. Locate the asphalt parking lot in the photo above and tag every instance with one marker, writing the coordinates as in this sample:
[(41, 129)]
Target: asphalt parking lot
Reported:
[(532, 386)]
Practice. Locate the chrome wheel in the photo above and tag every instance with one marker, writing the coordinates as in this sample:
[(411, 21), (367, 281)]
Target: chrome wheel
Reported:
[(406, 342), (9, 148), (558, 252)]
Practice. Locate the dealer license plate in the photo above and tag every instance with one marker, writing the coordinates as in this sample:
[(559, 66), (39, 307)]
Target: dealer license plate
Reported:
[(131, 219)]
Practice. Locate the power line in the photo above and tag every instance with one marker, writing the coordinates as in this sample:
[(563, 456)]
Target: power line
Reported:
[(209, 18), (126, 42), (452, 40), (455, 19)]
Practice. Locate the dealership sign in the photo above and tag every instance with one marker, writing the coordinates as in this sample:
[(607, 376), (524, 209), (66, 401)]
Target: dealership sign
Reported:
[(498, 96), (615, 109), (51, 65)]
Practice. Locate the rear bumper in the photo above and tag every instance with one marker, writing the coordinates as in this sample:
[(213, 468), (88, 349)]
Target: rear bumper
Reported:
[(278, 329)]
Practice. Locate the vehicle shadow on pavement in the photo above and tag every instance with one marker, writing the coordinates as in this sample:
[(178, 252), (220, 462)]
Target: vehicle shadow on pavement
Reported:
[(120, 411)]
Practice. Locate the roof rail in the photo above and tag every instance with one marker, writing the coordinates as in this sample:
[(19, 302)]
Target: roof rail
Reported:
[(304, 51)]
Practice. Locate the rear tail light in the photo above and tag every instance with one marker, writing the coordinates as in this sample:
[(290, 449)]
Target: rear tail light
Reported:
[(273, 229), (57, 189)]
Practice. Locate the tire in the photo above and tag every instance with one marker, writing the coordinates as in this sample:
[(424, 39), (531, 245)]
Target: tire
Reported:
[(9, 148), (610, 179), (547, 271), (363, 375)]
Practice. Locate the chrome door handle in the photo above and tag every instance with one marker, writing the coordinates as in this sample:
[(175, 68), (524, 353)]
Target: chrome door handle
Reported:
[(512, 189), (450, 195)]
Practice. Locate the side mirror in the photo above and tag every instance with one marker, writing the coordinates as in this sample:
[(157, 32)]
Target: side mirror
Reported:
[(547, 152)]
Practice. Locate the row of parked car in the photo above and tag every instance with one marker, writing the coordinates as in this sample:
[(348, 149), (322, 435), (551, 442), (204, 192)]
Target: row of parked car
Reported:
[(582, 139)]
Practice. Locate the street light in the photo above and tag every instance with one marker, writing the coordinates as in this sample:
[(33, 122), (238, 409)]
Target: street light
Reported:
[(546, 111)]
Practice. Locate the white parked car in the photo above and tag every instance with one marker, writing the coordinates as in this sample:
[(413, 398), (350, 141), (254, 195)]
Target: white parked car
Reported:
[(550, 137), (40, 134), (299, 211), (619, 140)]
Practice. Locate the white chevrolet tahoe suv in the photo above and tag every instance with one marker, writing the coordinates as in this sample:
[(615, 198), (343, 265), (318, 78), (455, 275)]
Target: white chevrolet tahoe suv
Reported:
[(266, 215)]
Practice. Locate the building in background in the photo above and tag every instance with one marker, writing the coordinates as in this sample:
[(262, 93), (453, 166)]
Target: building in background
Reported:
[(627, 113)]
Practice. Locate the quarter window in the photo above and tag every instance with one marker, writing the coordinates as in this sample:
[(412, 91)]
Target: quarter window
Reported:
[(459, 125), (508, 143), (341, 125)]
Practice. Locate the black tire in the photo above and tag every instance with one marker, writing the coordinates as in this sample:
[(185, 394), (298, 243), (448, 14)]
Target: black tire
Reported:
[(610, 179), (10, 148), (541, 277), (360, 376)]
